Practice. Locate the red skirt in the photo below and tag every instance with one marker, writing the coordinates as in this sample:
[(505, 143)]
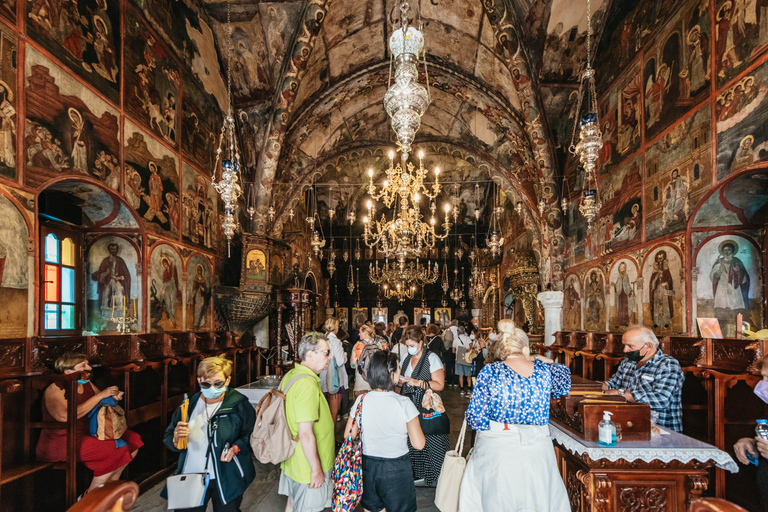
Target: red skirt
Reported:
[(103, 457)]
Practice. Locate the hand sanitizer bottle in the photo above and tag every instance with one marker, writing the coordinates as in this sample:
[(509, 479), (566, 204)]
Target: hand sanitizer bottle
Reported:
[(606, 430)]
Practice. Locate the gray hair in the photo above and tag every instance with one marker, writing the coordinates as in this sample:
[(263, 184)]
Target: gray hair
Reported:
[(461, 330), (309, 343), (645, 334), (454, 322)]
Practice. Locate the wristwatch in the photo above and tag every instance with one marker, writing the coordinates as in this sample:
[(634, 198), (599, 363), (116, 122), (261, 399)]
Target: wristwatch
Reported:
[(622, 391)]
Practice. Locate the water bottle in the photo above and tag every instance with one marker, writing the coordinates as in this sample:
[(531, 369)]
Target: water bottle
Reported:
[(762, 429)]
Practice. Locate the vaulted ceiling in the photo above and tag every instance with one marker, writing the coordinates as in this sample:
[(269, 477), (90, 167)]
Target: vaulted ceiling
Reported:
[(309, 77)]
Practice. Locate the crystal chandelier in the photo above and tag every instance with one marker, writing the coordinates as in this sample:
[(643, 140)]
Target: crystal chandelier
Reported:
[(413, 272), (406, 100), (400, 291), (406, 235), (590, 139), (227, 164)]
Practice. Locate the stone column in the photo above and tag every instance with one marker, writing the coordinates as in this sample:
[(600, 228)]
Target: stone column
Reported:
[(553, 314), (694, 296)]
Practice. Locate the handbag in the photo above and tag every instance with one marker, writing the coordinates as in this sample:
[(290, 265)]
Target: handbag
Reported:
[(348, 469), (188, 490), (449, 482), (432, 416), (461, 353), (107, 420)]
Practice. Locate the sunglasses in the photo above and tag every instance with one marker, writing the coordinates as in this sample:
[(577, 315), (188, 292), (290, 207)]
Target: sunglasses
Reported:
[(217, 384)]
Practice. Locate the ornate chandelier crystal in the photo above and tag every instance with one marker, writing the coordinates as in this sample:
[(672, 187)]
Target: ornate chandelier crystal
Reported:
[(400, 291), (406, 235), (590, 139), (413, 272), (227, 164)]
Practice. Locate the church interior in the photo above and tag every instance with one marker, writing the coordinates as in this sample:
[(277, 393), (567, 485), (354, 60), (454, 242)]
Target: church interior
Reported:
[(182, 178)]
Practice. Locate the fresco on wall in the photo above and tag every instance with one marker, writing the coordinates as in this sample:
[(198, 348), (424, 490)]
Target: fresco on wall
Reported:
[(594, 301), (276, 275), (14, 271), (198, 293), (664, 291), (151, 181), (256, 265), (677, 174), (69, 129), (84, 35), (565, 49), (8, 117), (620, 111), (198, 208), (8, 10), (200, 126), (729, 282), (165, 289), (742, 129), (251, 72), (741, 35), (113, 287), (744, 201), (152, 81), (251, 125), (676, 72), (623, 289), (572, 303), (621, 217)]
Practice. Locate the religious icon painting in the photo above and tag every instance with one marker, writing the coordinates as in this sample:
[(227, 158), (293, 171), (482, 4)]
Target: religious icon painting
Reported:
[(359, 316), (419, 313), (276, 272), (113, 289), (199, 297), (69, 129), (198, 208), (84, 35), (729, 282), (380, 315), (594, 300), (153, 80), (165, 304), (572, 303), (8, 118), (664, 291), (343, 315), (14, 275), (443, 316), (623, 293), (256, 265), (152, 181)]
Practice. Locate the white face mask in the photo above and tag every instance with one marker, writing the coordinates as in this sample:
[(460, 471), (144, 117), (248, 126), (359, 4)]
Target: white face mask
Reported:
[(472, 336), (492, 336)]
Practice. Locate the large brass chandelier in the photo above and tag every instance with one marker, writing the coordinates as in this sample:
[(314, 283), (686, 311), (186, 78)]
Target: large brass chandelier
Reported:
[(405, 235), (412, 273), (590, 139), (400, 291)]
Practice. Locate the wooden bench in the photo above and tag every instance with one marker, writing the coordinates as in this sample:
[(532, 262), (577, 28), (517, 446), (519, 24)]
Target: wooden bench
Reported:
[(115, 496)]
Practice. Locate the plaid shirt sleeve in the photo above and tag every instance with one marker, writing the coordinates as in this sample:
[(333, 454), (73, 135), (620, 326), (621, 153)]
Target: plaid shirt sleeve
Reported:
[(663, 392), (619, 379)]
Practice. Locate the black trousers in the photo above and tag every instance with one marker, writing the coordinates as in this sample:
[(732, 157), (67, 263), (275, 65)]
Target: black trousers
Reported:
[(450, 361), (218, 506), (388, 484)]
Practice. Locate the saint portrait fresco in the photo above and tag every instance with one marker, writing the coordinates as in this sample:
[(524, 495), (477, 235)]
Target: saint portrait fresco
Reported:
[(620, 112), (8, 117), (623, 290), (83, 34), (113, 287), (152, 181), (199, 297), (663, 291), (14, 275), (198, 208), (729, 282), (572, 303), (594, 301), (200, 126), (69, 130), (741, 30), (165, 289)]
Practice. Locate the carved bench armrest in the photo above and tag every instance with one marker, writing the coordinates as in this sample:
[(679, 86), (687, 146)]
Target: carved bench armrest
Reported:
[(115, 496)]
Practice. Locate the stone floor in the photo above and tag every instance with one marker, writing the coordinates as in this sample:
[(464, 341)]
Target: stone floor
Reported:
[(262, 494)]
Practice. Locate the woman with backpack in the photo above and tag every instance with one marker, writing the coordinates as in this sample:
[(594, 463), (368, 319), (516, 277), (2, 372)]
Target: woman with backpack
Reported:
[(390, 426), (361, 352), (336, 365), (422, 370)]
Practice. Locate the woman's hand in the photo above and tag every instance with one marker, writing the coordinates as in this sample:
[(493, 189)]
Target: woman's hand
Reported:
[(228, 455), (411, 382), (181, 430), (110, 392)]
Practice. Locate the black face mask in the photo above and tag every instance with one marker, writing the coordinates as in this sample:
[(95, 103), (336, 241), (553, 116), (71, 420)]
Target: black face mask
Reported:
[(634, 356)]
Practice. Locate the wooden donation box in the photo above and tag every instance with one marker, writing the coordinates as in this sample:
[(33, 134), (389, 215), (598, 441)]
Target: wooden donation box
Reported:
[(655, 472)]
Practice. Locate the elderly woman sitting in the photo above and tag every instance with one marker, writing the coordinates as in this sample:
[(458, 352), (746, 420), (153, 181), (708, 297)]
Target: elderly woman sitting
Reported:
[(104, 458)]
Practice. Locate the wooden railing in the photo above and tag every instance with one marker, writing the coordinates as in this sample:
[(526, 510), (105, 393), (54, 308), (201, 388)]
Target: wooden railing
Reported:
[(153, 370), (116, 496)]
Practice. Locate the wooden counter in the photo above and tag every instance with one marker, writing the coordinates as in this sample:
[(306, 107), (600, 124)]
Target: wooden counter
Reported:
[(660, 475)]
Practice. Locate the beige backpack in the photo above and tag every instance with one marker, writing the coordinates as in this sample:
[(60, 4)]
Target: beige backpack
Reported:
[(271, 440)]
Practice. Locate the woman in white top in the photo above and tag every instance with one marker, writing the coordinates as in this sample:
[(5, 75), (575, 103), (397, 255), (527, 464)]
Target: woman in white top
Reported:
[(423, 370), (389, 422), (339, 359)]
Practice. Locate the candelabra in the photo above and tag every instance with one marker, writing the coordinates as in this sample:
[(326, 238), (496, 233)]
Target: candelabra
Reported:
[(399, 291), (412, 272)]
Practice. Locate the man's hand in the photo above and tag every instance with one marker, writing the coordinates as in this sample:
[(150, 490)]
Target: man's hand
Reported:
[(316, 479), (744, 446), (762, 447), (605, 386)]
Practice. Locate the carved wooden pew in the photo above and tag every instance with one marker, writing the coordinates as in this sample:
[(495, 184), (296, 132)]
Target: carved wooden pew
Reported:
[(714, 505), (111, 497), (561, 340), (592, 347), (611, 354)]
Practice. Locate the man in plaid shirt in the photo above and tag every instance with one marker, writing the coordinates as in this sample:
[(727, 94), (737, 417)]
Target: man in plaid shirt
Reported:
[(647, 375)]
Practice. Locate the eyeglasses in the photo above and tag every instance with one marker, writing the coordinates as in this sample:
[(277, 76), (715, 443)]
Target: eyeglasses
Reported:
[(217, 384), (325, 352)]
